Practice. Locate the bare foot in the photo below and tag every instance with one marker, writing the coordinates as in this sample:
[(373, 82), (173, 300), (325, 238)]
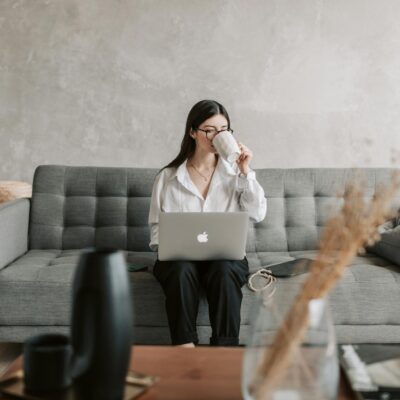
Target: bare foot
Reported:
[(186, 345)]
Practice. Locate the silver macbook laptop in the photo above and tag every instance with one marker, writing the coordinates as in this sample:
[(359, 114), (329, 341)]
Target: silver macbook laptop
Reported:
[(199, 236)]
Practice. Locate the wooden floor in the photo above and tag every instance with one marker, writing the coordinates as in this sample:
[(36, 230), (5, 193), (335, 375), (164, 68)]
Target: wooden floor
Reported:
[(8, 353)]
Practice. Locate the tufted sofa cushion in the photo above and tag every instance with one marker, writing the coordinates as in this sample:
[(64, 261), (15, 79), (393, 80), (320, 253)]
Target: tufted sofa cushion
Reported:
[(78, 207), (300, 201)]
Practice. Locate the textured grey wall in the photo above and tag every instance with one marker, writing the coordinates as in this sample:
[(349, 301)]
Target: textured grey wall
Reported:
[(97, 82)]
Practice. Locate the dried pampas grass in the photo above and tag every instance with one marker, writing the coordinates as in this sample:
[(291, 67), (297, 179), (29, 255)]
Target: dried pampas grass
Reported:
[(5, 195), (345, 234), (11, 190)]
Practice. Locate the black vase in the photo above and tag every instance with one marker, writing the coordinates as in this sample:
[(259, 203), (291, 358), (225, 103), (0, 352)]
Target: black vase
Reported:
[(101, 328)]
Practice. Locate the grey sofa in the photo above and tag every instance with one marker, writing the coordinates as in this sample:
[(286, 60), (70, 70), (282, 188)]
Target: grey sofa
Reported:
[(77, 207)]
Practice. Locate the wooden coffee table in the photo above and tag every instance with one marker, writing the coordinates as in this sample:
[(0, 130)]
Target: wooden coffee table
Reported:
[(193, 373)]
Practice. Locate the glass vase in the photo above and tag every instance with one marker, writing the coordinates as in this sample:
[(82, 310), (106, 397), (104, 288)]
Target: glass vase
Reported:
[(312, 369)]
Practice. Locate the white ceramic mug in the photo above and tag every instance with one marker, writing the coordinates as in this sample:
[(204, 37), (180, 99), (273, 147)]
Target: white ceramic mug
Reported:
[(226, 146)]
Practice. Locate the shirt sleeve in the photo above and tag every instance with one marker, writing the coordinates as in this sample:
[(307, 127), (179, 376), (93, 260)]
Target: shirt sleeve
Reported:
[(155, 208), (251, 196)]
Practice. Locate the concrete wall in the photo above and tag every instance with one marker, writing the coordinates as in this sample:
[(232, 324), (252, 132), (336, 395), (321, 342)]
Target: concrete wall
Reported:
[(308, 83)]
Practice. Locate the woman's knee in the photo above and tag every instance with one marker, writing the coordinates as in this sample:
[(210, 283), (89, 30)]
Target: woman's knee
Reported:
[(177, 271), (225, 270), (184, 269), (221, 268)]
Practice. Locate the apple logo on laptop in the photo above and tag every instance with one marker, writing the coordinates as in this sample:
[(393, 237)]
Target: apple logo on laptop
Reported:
[(202, 237)]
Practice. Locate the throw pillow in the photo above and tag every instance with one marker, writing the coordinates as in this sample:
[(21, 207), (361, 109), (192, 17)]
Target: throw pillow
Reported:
[(389, 245)]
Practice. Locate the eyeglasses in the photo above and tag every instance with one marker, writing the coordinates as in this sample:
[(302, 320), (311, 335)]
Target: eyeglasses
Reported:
[(211, 133)]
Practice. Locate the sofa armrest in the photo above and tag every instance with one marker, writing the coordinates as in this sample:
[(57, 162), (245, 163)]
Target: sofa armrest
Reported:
[(14, 222)]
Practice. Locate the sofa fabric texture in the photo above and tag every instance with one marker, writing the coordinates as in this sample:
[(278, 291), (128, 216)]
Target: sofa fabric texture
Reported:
[(78, 207), (14, 217), (75, 207)]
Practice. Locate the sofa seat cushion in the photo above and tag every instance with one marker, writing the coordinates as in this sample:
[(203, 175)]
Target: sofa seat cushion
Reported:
[(361, 297), (36, 290)]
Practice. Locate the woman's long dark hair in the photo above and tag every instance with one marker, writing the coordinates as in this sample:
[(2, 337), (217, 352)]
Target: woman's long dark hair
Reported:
[(200, 112)]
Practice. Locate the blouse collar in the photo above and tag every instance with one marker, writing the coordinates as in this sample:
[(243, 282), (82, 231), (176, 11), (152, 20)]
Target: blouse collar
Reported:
[(223, 169)]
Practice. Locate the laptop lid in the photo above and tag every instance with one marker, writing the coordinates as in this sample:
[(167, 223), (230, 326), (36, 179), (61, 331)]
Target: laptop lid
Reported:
[(202, 235)]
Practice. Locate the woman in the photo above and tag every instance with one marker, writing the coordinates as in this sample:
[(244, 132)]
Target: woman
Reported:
[(199, 180)]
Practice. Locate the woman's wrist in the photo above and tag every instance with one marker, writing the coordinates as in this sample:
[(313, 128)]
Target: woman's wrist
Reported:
[(244, 171), (249, 176)]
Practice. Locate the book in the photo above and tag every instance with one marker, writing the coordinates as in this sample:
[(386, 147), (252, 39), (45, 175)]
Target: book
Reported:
[(373, 370)]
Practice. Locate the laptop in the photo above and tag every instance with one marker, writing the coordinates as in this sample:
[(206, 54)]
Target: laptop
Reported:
[(198, 236)]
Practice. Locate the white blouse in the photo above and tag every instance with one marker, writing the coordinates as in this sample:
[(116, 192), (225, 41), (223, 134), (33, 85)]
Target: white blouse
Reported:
[(174, 191)]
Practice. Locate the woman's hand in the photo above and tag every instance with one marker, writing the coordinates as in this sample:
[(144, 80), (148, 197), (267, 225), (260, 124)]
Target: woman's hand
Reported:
[(244, 159)]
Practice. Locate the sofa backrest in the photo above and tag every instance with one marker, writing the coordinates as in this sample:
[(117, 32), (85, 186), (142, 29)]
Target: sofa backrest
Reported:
[(78, 207), (300, 201)]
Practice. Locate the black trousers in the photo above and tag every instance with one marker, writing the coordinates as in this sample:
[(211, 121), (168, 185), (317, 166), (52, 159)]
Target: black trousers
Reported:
[(222, 281)]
